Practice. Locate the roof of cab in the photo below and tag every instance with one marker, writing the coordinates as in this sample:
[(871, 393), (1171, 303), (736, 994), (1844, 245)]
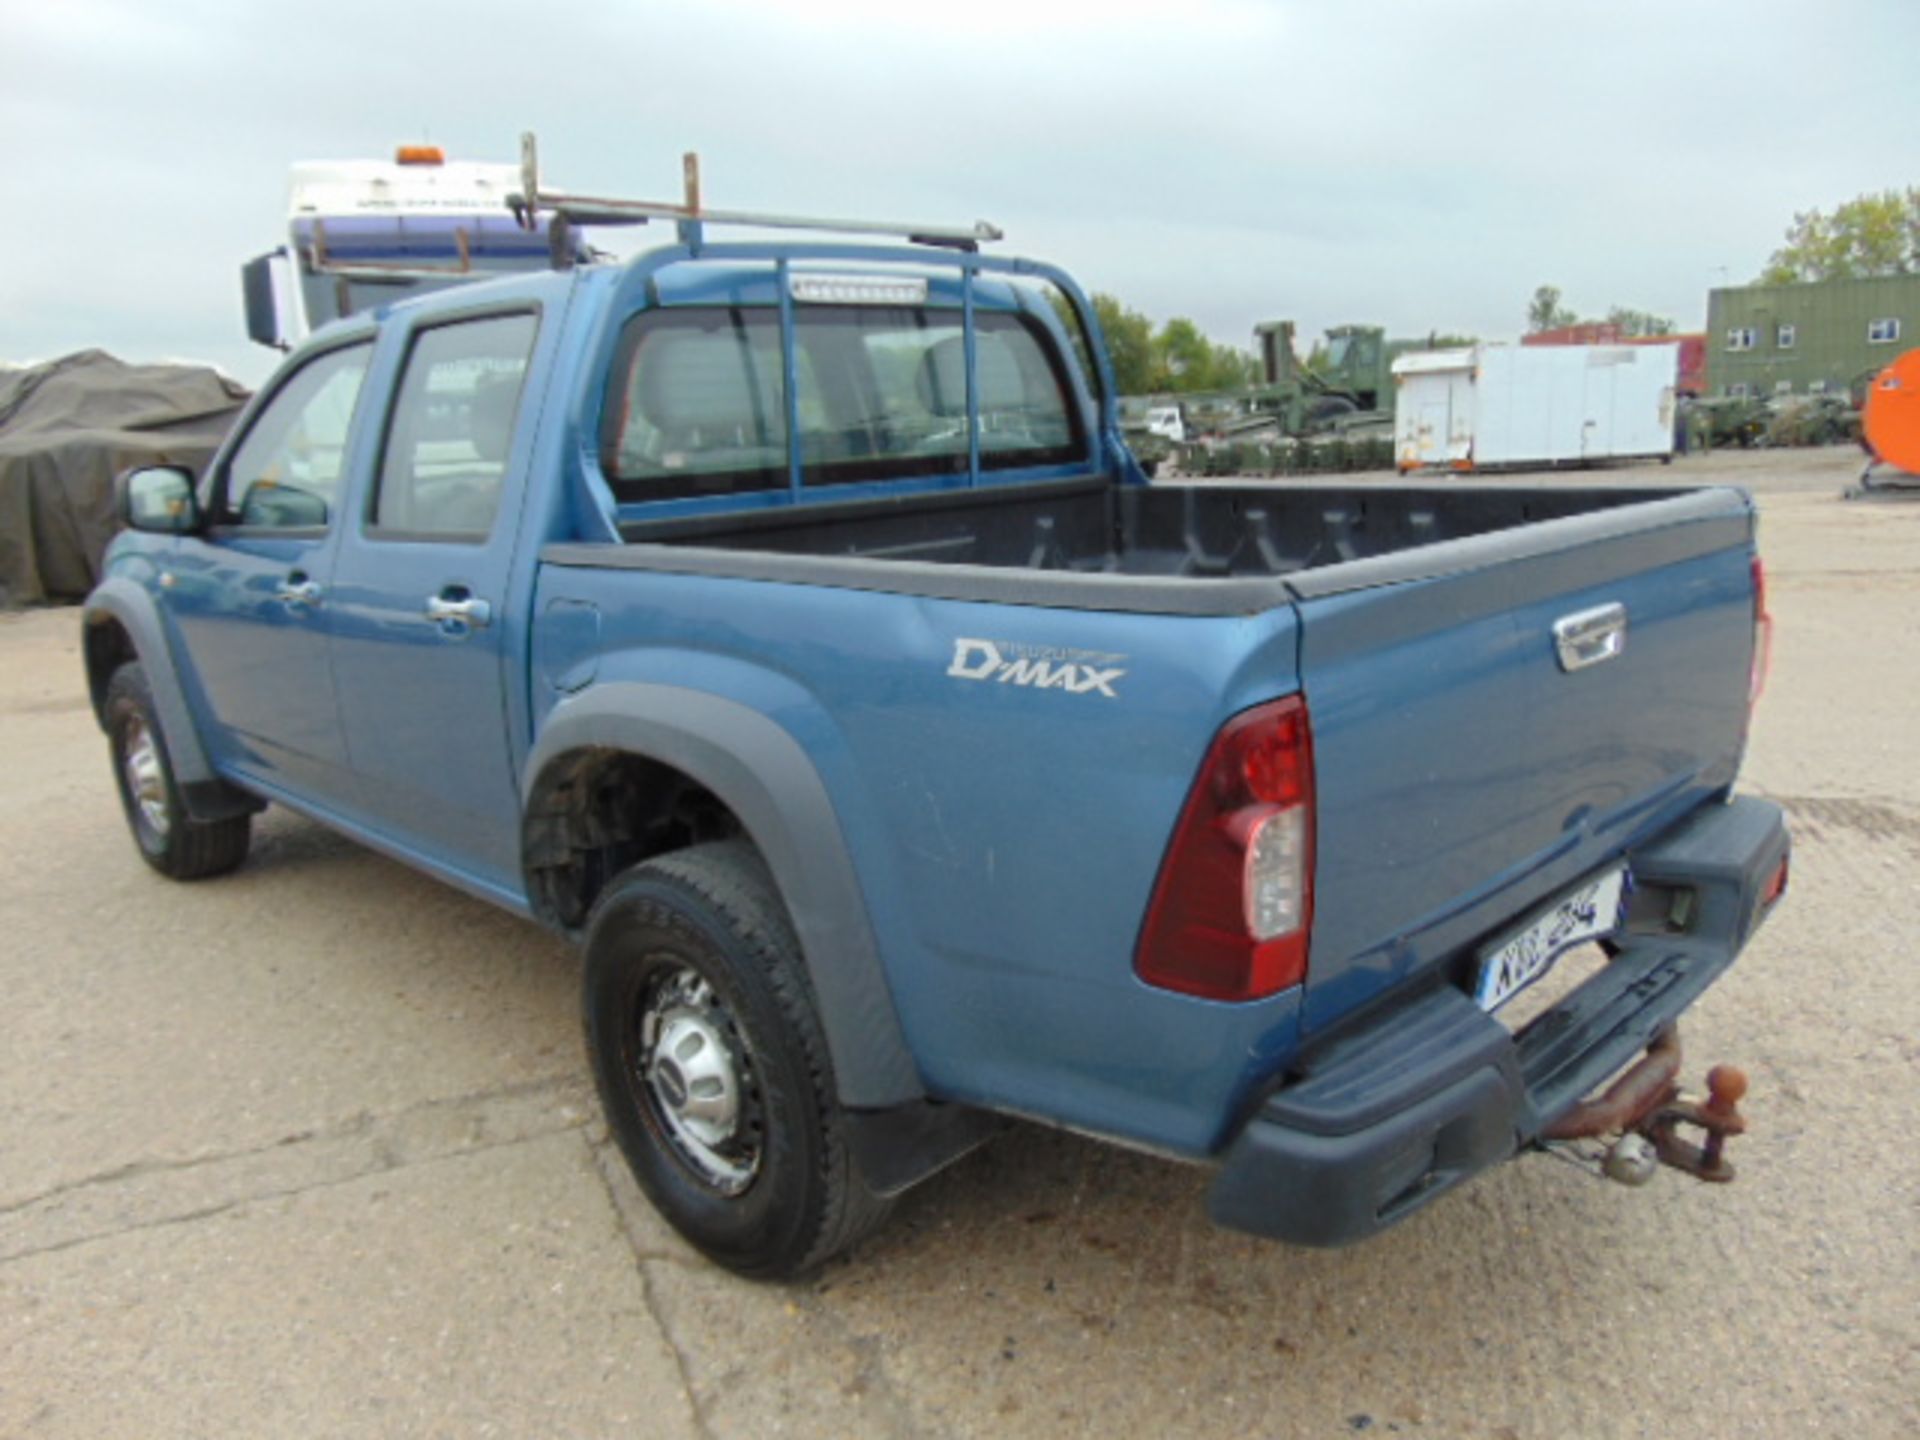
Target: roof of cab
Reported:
[(701, 279)]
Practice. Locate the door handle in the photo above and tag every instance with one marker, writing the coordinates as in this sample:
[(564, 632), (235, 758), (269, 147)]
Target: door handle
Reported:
[(297, 590), (455, 611)]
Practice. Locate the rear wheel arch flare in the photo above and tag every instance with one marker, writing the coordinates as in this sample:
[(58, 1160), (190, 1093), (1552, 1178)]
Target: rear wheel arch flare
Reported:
[(743, 766), (592, 813)]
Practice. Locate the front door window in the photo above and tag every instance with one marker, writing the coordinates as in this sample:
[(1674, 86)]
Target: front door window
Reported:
[(286, 473)]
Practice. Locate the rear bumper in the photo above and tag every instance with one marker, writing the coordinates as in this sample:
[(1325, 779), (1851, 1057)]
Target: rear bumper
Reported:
[(1396, 1113)]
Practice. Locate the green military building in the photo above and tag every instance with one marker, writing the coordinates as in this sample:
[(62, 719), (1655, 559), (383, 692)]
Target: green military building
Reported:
[(1805, 338)]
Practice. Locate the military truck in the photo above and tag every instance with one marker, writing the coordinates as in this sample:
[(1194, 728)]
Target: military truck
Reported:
[(1353, 381)]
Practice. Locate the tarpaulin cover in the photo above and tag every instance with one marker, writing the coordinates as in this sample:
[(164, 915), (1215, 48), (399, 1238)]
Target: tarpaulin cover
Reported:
[(66, 429)]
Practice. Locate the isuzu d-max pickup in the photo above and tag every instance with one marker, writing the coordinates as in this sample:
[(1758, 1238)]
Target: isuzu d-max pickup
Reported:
[(788, 621)]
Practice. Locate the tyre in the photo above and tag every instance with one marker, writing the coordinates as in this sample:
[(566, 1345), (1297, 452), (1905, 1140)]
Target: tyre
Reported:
[(712, 1065), (169, 840)]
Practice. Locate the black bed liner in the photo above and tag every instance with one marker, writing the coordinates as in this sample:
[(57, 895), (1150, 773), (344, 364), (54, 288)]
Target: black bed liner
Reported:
[(1172, 549)]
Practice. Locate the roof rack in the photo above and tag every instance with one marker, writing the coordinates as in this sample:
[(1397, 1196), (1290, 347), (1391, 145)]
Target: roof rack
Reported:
[(603, 210)]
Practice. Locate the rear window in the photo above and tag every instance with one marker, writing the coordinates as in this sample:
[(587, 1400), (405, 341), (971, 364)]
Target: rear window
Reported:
[(699, 401)]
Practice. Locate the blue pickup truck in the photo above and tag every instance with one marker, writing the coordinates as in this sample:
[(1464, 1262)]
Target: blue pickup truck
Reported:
[(788, 621)]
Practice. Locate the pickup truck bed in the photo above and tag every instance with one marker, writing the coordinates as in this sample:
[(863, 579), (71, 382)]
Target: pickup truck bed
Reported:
[(1462, 776), (1400, 1086)]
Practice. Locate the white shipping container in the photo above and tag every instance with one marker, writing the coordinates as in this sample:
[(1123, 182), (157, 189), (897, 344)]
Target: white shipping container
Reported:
[(1499, 406)]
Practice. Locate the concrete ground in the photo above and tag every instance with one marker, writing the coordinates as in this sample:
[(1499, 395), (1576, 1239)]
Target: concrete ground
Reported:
[(310, 1151)]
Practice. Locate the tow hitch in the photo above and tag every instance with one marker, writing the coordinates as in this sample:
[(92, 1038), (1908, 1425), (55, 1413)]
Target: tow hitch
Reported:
[(1644, 1111)]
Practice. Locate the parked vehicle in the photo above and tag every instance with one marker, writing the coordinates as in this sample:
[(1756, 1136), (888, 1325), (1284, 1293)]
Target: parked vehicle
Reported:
[(1806, 420), (1521, 407), (1718, 422), (788, 622), (1351, 383), (1169, 422), (362, 233)]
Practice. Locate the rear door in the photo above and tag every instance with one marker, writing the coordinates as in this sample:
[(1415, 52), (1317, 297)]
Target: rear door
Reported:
[(1465, 772), (1601, 401), (1460, 416), (1435, 424), (419, 629), (1566, 405)]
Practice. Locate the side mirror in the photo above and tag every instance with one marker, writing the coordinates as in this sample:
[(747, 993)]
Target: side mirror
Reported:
[(261, 281), (158, 499)]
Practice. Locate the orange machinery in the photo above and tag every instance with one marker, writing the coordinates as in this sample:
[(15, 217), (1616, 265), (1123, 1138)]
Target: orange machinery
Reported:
[(1890, 420)]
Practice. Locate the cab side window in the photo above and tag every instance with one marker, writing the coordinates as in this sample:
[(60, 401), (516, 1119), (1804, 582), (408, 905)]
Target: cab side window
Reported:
[(286, 474), (452, 428)]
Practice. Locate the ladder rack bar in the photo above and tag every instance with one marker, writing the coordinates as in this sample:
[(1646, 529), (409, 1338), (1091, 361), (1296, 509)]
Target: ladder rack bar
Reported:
[(588, 209)]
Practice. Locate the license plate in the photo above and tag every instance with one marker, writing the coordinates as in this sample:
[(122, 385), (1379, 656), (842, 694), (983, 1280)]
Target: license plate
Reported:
[(1586, 912)]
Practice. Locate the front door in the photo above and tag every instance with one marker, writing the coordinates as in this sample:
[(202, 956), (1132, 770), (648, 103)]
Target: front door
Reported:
[(248, 600), (418, 614)]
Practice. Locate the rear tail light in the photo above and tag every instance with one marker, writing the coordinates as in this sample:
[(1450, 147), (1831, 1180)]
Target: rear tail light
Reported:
[(1234, 902), (1762, 635)]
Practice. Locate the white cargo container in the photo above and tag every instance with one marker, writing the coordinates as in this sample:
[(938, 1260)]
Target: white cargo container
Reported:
[(1518, 406)]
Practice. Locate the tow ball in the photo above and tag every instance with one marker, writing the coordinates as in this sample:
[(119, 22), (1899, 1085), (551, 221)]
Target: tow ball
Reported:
[(1644, 1111)]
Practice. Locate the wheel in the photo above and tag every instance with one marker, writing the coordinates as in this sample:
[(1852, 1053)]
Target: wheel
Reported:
[(713, 1067), (170, 840)]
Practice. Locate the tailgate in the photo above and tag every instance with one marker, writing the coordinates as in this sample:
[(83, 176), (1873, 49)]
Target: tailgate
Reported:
[(1463, 774)]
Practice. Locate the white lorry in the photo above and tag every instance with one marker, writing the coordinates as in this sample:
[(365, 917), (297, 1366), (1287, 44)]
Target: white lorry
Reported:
[(362, 233)]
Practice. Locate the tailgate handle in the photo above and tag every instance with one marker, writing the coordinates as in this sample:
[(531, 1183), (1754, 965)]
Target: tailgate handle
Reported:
[(1589, 636)]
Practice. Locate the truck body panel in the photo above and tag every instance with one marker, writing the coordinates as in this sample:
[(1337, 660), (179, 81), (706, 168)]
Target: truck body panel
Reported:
[(1497, 406), (1003, 892), (923, 634)]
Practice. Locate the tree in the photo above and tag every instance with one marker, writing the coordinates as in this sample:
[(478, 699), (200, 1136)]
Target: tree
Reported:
[(1178, 359), (1635, 324), (1181, 355), (1129, 345), (1865, 236), (1228, 368), (1545, 312), (1186, 362)]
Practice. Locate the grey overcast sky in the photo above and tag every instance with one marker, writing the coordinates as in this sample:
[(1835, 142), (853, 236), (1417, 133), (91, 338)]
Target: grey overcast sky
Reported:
[(1421, 165)]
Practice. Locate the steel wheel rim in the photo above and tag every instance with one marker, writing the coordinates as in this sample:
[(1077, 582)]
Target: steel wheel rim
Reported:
[(695, 1080), (145, 778)]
